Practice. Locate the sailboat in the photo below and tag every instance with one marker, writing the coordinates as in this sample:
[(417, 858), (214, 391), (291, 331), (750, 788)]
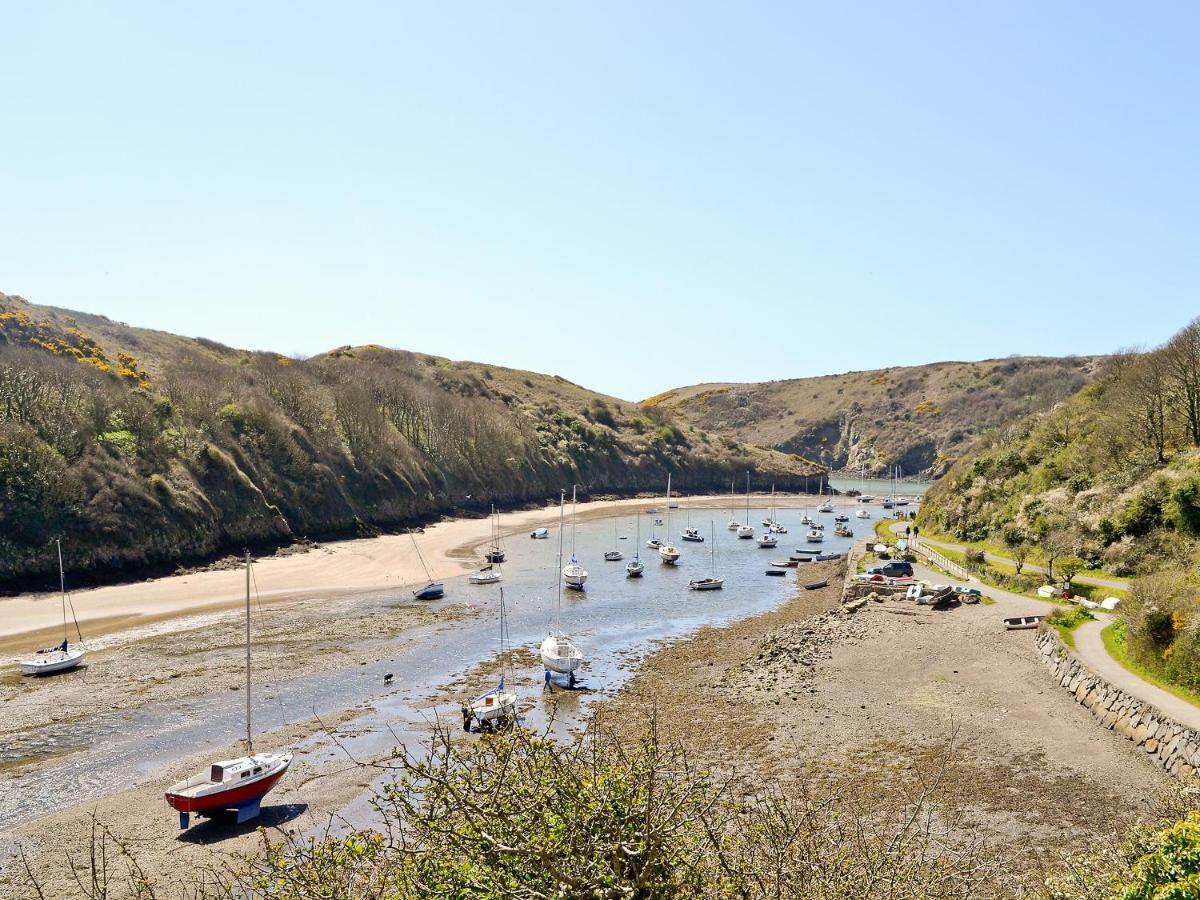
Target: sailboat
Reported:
[(712, 582), (573, 573), (490, 573), (775, 527), (559, 653), (826, 503), (62, 657), (433, 589), (498, 706), (733, 523), (495, 552), (635, 567), (668, 552), (231, 784), (614, 555), (690, 533), (746, 531)]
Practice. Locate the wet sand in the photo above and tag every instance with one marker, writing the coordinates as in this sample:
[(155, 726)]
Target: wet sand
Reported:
[(867, 704)]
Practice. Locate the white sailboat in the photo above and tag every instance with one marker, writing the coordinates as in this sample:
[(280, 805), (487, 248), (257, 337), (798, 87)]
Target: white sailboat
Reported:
[(490, 573), (668, 552), (231, 784), (62, 657), (689, 533), (712, 582), (826, 503), (497, 707), (733, 523), (574, 574), (559, 654), (746, 532), (635, 567), (614, 555)]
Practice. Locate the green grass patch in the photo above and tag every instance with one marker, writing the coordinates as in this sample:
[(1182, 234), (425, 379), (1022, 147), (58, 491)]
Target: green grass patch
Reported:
[(1036, 557), (1066, 619), (883, 532), (1114, 642)]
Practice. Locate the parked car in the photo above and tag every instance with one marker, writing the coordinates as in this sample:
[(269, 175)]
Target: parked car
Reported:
[(893, 569)]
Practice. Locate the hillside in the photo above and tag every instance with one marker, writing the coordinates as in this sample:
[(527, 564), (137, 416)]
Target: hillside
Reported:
[(920, 418), (1111, 474), (142, 449)]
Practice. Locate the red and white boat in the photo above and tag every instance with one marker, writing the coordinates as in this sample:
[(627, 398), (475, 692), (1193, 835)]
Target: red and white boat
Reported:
[(231, 784), (236, 785)]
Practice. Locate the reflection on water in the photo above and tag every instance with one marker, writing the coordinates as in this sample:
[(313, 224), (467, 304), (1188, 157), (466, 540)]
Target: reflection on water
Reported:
[(615, 621)]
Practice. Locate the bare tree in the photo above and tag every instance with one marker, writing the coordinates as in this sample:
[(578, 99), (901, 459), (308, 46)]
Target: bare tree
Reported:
[(1181, 359)]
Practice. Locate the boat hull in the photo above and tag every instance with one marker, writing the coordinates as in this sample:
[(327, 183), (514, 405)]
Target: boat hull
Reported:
[(234, 796), (430, 592), (52, 663)]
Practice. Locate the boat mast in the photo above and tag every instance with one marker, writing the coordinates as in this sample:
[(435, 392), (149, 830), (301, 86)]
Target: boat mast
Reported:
[(562, 503), (62, 586), (637, 547), (747, 498), (574, 519), (668, 507), (712, 549), (249, 738)]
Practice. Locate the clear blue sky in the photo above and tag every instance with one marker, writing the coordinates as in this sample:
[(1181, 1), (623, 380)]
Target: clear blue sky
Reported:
[(632, 195)]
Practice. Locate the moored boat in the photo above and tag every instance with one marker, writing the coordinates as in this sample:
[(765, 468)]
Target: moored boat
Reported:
[(62, 657)]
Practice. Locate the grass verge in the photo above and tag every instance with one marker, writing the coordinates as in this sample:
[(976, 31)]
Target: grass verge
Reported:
[(1114, 642)]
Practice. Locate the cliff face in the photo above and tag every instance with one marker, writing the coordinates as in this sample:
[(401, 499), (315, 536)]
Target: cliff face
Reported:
[(141, 449)]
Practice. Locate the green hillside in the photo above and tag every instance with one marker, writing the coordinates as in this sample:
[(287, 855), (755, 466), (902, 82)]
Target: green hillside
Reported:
[(921, 418), (142, 449)]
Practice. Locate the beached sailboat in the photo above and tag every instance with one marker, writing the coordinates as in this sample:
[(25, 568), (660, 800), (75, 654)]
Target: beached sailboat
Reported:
[(746, 532), (231, 784), (574, 574), (733, 523), (635, 567), (433, 589), (61, 657), (497, 707), (668, 553), (495, 552), (559, 654), (490, 573), (712, 582)]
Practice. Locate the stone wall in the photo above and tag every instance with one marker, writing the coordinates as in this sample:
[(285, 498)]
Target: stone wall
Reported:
[(1168, 744)]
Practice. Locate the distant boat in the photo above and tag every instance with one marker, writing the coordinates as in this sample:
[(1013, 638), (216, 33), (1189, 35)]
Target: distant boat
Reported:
[(667, 552), (635, 567), (692, 534), (573, 573), (433, 589), (862, 514), (60, 658), (1020, 622), (614, 555), (746, 532), (767, 541), (814, 536), (733, 523), (843, 531), (841, 518), (540, 534), (712, 582), (236, 784), (495, 552), (490, 573)]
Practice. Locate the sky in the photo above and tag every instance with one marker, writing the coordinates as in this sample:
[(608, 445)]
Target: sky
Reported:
[(632, 195)]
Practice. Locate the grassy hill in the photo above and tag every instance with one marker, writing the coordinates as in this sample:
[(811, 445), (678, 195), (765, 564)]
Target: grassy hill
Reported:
[(142, 449), (921, 418)]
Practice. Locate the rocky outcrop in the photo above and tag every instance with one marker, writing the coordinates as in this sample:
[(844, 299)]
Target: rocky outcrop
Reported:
[(1167, 744)]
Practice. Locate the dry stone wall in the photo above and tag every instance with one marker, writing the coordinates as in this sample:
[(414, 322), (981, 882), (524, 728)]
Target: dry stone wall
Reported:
[(1166, 743)]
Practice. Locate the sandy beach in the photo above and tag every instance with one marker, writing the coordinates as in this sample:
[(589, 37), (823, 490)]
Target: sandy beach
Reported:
[(388, 561)]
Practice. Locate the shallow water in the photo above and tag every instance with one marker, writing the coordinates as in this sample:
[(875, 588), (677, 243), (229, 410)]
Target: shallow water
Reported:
[(616, 620)]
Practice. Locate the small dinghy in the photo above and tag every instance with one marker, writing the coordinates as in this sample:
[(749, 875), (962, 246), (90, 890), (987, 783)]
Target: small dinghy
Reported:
[(785, 563), (1018, 623), (825, 557), (486, 575), (613, 556), (841, 518), (814, 585), (777, 572), (540, 534)]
